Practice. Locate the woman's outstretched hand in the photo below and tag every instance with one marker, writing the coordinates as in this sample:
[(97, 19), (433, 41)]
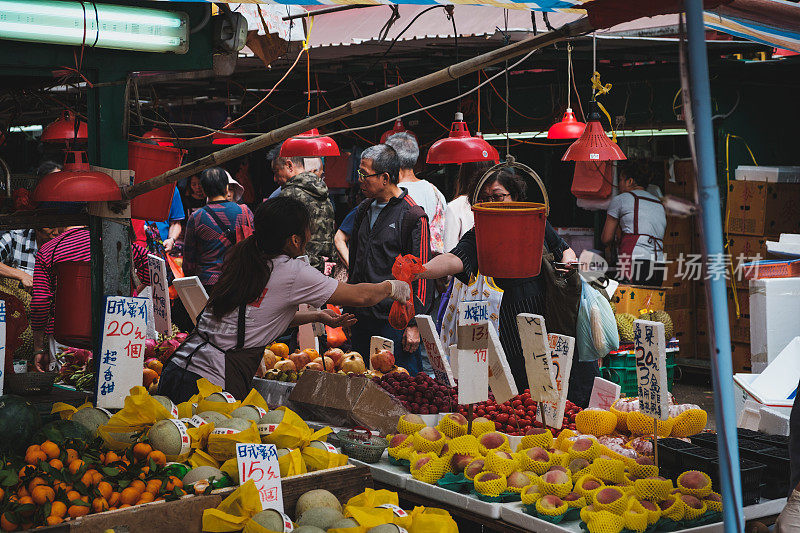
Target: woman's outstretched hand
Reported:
[(334, 320)]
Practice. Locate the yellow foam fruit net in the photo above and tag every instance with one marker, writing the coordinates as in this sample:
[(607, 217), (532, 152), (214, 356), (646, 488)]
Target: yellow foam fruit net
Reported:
[(409, 428), (432, 471), (714, 505), (560, 458), (617, 506), (505, 447), (580, 503), (491, 487), (557, 489), (604, 522), (641, 424), (539, 467), (403, 451), (589, 454), (530, 494), (421, 444), (584, 492), (608, 470), (676, 511), (704, 490), (543, 440), (690, 422), (690, 513), (563, 441), (643, 471), (479, 427), (451, 428), (465, 444), (655, 490), (222, 446), (470, 463), (622, 425), (500, 465), (635, 516), (558, 511), (580, 473), (597, 422)]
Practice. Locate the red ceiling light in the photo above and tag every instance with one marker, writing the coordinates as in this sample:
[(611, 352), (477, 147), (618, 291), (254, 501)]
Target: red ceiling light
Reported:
[(309, 144), (398, 127), (63, 130), (494, 155), (460, 146), (594, 144), (568, 128), (77, 182), (161, 137), (227, 136)]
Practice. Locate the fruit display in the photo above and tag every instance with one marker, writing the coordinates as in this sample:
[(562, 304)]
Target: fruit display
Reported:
[(516, 415), (420, 394), (279, 365), (625, 324), (77, 368)]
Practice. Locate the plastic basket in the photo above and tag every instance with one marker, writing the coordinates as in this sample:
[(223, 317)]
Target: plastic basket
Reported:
[(747, 434), (778, 472), (361, 445), (771, 269), (753, 450), (30, 383), (625, 376), (707, 460), (705, 440), (670, 456), (779, 441)]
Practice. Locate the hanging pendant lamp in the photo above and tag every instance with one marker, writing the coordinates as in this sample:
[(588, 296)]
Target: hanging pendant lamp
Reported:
[(398, 127), (161, 137), (460, 146), (594, 144), (77, 182), (227, 136), (62, 130), (569, 127), (309, 144), (494, 155)]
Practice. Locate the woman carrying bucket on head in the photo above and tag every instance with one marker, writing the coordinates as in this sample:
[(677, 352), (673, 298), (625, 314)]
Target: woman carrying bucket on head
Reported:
[(520, 294)]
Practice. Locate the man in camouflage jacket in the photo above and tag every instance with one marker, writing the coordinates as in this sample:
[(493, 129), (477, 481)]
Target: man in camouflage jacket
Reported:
[(312, 191)]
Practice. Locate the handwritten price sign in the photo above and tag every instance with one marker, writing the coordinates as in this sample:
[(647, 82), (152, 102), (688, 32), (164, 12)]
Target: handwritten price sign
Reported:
[(158, 282), (259, 462), (501, 380), (604, 394), (538, 362), (561, 348), (651, 368), (122, 349), (473, 352), (435, 350)]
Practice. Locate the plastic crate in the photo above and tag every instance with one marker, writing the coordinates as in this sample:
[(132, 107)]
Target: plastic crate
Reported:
[(778, 472), (747, 434), (753, 450), (705, 440), (779, 441), (626, 378), (771, 269), (698, 458), (670, 456), (752, 473)]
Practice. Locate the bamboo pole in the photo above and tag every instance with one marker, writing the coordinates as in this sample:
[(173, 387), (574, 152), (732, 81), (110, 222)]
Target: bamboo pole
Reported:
[(572, 29)]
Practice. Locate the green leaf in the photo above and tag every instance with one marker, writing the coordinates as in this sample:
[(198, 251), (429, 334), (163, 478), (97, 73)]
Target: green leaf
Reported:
[(80, 503), (11, 479), (25, 507), (111, 471), (47, 508), (123, 483)]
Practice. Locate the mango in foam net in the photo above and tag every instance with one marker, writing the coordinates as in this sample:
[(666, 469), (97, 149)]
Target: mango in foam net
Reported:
[(652, 489), (690, 422), (597, 422), (499, 464), (635, 516), (695, 483), (409, 427), (611, 470), (611, 499), (543, 440), (543, 508), (490, 484), (604, 522)]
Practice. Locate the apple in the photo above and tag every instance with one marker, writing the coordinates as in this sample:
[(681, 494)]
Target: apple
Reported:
[(650, 506), (578, 464), (492, 440), (572, 496), (550, 501), (581, 445), (458, 418), (285, 365), (666, 504), (538, 454), (326, 363), (504, 455), (352, 364), (383, 361), (459, 462), (336, 355), (518, 480), (558, 468), (555, 477), (429, 433), (480, 420), (608, 495), (397, 440), (691, 501), (422, 461), (300, 359), (269, 358), (644, 460), (488, 476), (713, 497), (411, 418), (474, 468), (590, 484)]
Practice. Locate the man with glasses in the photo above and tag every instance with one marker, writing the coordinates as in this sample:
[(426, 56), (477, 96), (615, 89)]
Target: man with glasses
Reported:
[(387, 224)]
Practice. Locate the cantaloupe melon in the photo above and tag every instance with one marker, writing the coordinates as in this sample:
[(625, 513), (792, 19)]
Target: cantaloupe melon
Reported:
[(213, 417), (344, 523), (248, 412), (166, 436), (220, 397), (321, 517), (200, 473), (317, 498), (308, 529), (269, 519), (384, 528), (167, 403), (238, 424), (91, 418)]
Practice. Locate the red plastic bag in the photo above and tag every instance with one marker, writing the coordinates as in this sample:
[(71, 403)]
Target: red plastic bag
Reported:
[(404, 268)]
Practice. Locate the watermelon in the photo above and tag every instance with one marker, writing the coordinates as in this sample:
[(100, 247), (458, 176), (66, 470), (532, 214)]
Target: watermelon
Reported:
[(60, 430), (19, 422)]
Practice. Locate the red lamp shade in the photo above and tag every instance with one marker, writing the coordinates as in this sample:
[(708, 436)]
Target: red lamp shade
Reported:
[(397, 128), (309, 144), (76, 183), (63, 130), (161, 137), (460, 146), (593, 144), (568, 128), (228, 135)]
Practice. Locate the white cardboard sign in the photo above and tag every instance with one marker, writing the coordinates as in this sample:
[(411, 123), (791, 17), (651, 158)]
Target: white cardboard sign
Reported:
[(259, 462), (160, 294), (192, 294), (561, 348), (147, 293), (501, 380), (536, 351), (306, 336), (121, 349), (604, 394), (3, 345), (651, 368), (376, 344), (453, 351), (473, 352), (436, 354)]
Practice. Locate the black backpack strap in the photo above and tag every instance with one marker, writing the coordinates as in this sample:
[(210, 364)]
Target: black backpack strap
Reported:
[(229, 232), (240, 328)]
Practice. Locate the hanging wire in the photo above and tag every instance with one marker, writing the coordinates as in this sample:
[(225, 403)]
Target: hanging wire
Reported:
[(594, 58), (569, 75)]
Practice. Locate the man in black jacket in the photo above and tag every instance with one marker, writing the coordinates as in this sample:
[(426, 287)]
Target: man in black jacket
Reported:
[(387, 224)]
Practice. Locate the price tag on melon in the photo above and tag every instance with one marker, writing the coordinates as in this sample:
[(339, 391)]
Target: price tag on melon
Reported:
[(160, 297), (604, 394), (649, 348), (436, 354), (377, 344), (259, 462), (501, 380), (561, 348), (3, 345), (473, 352), (121, 349), (536, 351)]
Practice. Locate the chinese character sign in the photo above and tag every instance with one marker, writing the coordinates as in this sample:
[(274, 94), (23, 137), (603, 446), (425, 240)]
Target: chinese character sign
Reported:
[(473, 352), (561, 348), (122, 349), (2, 344), (651, 368), (160, 295), (604, 394), (501, 380), (436, 354), (538, 363), (376, 344), (259, 462)]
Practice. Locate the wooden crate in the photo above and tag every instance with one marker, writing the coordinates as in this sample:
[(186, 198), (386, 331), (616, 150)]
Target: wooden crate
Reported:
[(186, 515)]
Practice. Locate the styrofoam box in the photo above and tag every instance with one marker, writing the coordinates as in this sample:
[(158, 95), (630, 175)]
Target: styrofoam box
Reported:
[(768, 174), (456, 499), (385, 472), (774, 316), (513, 513)]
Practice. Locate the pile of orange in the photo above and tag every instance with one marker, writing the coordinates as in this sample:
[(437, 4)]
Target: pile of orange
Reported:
[(56, 484)]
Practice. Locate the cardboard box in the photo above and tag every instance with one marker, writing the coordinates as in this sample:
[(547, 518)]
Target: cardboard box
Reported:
[(633, 298), (701, 332), (763, 209), (679, 231), (684, 324), (774, 317), (768, 174), (346, 401), (740, 357), (681, 179), (740, 325), (679, 295)]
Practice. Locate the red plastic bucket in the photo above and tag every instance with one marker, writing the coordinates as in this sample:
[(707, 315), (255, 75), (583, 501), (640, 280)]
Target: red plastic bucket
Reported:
[(73, 320), (149, 161)]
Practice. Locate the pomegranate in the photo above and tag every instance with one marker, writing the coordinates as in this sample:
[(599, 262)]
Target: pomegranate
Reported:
[(383, 361)]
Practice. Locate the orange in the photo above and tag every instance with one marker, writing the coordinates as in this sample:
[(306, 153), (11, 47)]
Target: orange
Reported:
[(43, 494), (159, 457), (75, 466), (280, 349), (33, 448), (21, 474), (141, 450), (6, 524), (51, 449), (99, 505), (86, 479), (58, 509), (105, 489), (53, 520), (24, 501), (111, 457), (35, 482), (154, 485), (2, 493), (146, 497), (75, 511), (113, 500), (97, 477), (73, 495), (57, 464), (129, 497), (139, 485), (35, 457), (71, 455), (148, 376)]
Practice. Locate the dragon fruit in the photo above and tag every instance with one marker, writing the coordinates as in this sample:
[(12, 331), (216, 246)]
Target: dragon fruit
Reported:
[(167, 348), (150, 348)]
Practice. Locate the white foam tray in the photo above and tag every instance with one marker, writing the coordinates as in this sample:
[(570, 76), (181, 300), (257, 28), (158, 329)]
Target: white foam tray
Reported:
[(384, 472), (462, 501), (513, 514)]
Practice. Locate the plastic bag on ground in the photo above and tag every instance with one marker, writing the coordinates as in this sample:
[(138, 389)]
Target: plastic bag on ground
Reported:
[(597, 333)]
